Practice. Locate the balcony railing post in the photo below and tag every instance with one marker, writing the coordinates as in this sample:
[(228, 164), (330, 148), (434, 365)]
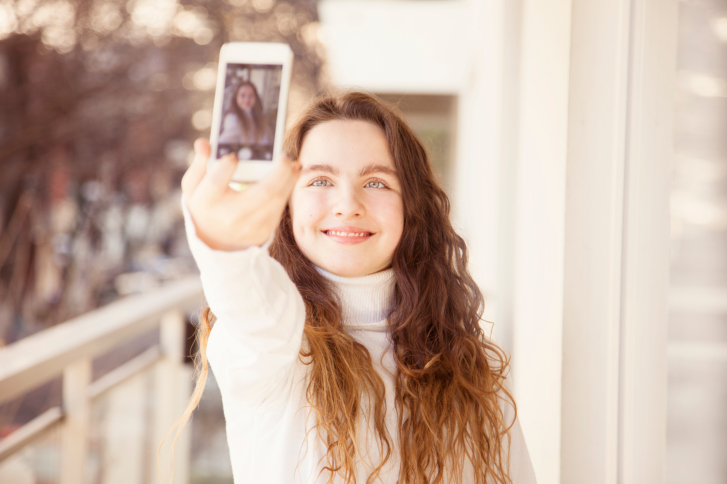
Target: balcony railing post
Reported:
[(173, 385), (77, 410)]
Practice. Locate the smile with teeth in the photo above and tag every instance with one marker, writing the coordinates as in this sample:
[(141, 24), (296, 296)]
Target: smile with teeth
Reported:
[(347, 234)]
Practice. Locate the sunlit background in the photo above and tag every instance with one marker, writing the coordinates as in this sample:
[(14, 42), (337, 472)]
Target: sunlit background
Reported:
[(100, 102)]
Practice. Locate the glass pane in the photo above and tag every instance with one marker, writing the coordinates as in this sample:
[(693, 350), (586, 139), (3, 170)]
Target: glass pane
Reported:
[(697, 391), (697, 422), (433, 118)]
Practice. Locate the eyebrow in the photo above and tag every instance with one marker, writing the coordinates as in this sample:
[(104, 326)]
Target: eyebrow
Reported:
[(326, 168), (366, 170), (369, 169)]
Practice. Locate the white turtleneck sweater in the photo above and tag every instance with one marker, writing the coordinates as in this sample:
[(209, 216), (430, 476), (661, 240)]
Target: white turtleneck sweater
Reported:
[(253, 351)]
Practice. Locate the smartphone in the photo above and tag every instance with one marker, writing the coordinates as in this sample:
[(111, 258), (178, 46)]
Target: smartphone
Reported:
[(251, 97)]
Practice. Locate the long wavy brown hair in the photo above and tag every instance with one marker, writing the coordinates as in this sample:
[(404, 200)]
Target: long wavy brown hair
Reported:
[(450, 376)]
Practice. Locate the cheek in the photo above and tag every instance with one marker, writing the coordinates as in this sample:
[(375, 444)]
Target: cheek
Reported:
[(397, 211), (390, 214), (306, 210)]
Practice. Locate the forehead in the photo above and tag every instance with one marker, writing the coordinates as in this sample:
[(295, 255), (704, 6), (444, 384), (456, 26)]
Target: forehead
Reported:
[(346, 143)]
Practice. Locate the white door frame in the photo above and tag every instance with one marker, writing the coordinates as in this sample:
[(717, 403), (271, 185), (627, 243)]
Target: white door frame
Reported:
[(540, 154), (623, 65)]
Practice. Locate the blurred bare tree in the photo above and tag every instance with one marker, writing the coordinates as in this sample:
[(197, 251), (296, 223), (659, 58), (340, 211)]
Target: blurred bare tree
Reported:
[(101, 101)]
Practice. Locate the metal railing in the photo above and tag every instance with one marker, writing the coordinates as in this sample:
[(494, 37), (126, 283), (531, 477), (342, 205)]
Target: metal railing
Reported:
[(68, 349)]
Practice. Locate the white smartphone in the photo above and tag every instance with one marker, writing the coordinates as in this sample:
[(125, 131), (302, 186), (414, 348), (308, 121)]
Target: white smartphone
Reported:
[(251, 98)]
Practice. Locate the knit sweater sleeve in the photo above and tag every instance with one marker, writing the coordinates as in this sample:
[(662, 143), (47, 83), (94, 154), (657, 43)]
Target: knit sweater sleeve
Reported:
[(256, 338)]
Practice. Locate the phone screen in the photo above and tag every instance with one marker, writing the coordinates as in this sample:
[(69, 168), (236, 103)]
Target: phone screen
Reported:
[(249, 111)]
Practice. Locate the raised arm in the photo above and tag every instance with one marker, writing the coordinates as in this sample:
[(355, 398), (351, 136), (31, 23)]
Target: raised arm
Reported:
[(260, 314)]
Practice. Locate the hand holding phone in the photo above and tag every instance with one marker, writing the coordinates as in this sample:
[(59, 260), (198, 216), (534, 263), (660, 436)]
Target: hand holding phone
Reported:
[(226, 219)]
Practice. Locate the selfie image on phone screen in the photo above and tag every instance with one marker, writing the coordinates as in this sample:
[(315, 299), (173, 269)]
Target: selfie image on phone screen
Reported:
[(249, 111)]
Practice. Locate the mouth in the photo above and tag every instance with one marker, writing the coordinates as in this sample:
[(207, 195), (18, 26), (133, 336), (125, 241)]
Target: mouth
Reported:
[(354, 236), (347, 234)]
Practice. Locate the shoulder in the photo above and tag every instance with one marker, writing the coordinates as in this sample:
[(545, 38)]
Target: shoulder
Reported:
[(231, 118)]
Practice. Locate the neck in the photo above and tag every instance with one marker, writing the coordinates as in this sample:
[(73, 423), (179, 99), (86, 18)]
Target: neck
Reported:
[(366, 299)]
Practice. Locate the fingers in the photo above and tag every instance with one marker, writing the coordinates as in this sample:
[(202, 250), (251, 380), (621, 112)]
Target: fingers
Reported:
[(215, 182), (294, 170), (282, 177), (220, 172), (285, 166), (202, 146), (197, 169)]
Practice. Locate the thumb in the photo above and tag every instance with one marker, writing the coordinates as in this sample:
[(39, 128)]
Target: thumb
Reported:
[(202, 147), (283, 175), (197, 169), (221, 171), (218, 176)]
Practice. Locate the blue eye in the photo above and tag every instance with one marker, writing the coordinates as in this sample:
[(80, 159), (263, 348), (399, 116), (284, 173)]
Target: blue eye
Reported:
[(376, 183), (319, 182)]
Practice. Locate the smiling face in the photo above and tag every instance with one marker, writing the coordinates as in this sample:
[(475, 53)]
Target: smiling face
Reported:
[(245, 97), (347, 209)]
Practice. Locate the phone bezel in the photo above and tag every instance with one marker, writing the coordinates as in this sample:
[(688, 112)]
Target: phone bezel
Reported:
[(252, 53)]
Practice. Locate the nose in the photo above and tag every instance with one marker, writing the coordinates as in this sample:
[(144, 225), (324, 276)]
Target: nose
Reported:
[(348, 204)]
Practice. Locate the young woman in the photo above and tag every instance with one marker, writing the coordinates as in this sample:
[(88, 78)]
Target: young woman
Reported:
[(343, 327), (244, 123)]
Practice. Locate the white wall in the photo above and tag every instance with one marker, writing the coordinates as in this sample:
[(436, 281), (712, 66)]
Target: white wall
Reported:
[(396, 46), (540, 227)]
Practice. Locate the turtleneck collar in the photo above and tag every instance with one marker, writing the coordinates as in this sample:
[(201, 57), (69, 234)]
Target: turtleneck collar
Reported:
[(366, 299)]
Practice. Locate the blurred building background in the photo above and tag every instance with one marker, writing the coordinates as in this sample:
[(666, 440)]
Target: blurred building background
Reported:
[(100, 102), (582, 144)]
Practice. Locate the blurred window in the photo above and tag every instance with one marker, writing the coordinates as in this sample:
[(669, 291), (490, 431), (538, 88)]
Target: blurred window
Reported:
[(697, 391), (433, 118)]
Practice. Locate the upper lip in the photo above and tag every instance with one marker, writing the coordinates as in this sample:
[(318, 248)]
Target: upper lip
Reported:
[(348, 229)]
